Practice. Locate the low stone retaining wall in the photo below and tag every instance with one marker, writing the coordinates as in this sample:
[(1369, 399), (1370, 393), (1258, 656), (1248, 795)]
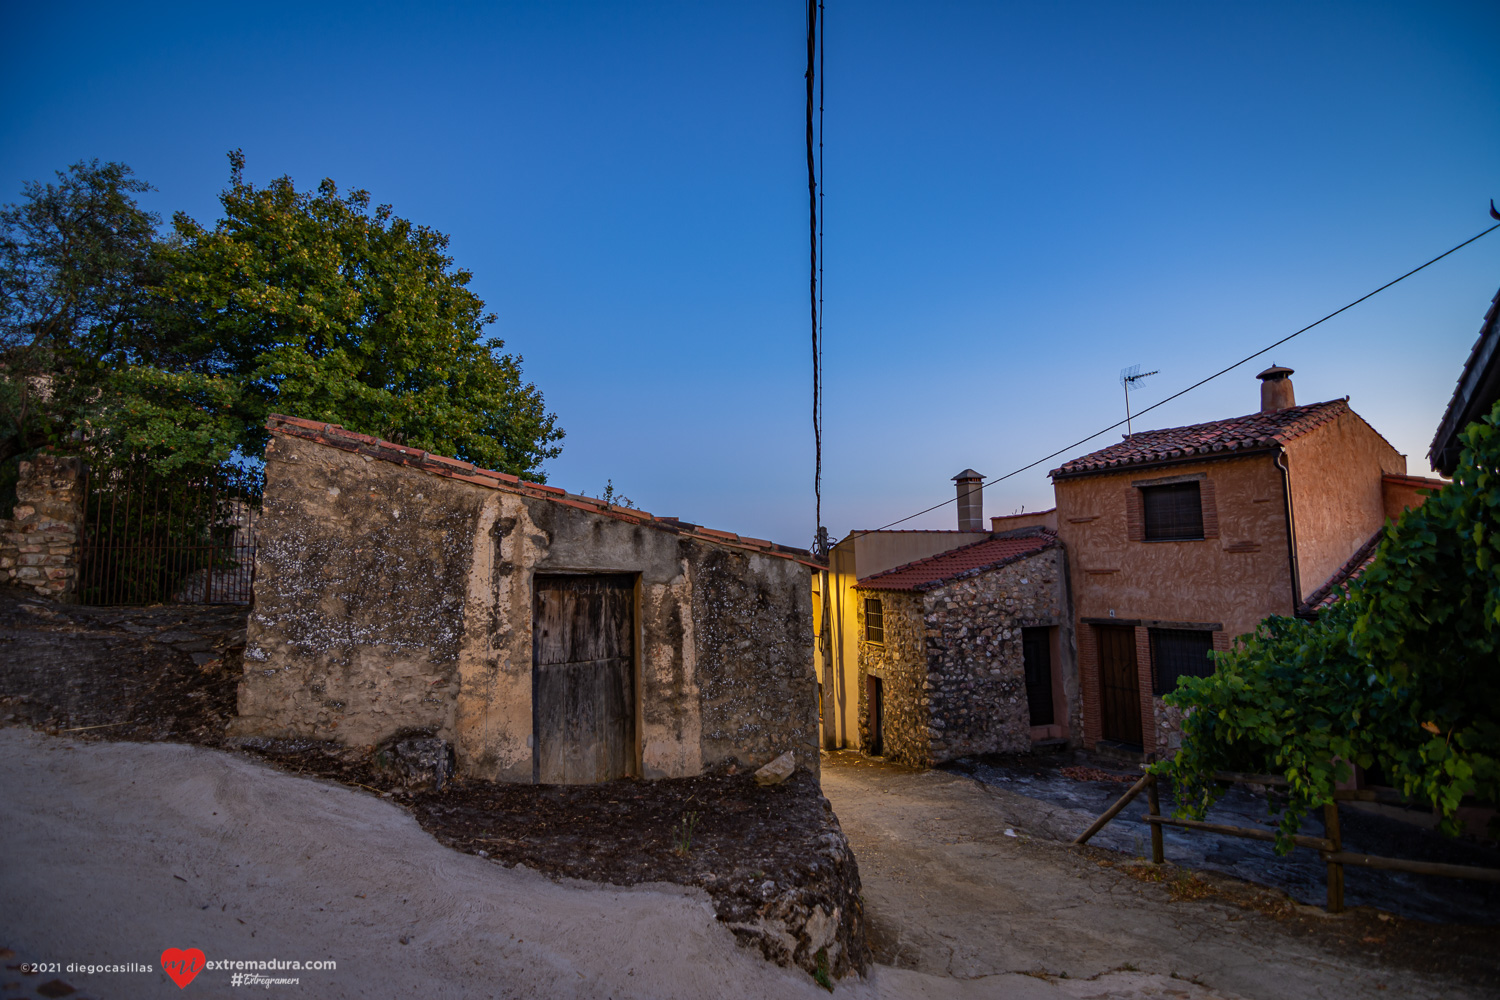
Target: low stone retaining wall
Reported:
[(39, 538), (160, 672)]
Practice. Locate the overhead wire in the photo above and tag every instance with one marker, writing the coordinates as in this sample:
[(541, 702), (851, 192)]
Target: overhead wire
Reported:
[(1195, 385), (814, 76)]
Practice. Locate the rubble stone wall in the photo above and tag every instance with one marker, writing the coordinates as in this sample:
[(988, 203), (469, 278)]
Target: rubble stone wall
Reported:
[(901, 664), (976, 671), (39, 542), (391, 598)]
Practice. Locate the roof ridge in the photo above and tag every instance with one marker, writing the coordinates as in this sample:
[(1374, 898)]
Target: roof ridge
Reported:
[(1207, 439), (1046, 539), (925, 559)]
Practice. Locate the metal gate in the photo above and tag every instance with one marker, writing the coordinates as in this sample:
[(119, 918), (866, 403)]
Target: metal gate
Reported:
[(148, 539)]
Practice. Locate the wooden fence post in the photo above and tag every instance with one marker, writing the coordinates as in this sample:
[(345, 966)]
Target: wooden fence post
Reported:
[(1335, 869), (1154, 804)]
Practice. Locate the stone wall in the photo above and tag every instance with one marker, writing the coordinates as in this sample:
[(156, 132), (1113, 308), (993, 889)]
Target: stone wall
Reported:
[(975, 669), (388, 598), (952, 668), (901, 664), (39, 543)]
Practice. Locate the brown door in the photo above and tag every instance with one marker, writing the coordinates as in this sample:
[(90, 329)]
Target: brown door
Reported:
[(1119, 686), (582, 678), (876, 696)]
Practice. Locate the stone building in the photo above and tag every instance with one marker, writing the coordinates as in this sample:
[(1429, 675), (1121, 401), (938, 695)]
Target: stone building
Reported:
[(550, 637), (964, 652)]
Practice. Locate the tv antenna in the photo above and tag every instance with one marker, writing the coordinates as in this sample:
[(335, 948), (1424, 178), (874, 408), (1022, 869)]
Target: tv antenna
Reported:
[(1128, 377)]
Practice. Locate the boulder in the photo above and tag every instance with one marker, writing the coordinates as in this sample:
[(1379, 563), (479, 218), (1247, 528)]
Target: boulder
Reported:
[(777, 771), (417, 760)]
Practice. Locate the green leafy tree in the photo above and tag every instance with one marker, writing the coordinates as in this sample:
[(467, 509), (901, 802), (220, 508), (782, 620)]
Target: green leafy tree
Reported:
[(1403, 672), (76, 258), (317, 305)]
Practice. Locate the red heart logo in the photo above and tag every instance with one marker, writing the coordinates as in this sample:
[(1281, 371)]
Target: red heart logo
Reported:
[(182, 965)]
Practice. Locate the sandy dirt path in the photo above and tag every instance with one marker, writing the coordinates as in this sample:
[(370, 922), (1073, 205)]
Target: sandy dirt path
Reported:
[(113, 852), (949, 893)]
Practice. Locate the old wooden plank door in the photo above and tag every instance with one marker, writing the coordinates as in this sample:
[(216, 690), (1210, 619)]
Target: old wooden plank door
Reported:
[(1119, 684), (1036, 656), (583, 678)]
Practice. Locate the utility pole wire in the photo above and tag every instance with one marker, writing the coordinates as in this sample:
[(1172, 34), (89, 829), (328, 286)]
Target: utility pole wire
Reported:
[(1200, 382), (814, 75)]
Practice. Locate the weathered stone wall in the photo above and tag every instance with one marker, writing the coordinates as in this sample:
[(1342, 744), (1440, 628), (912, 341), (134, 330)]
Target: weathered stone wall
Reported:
[(901, 664), (123, 672), (39, 543), (390, 598), (976, 677)]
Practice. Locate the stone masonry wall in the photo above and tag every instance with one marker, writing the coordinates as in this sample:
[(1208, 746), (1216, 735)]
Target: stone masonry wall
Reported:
[(391, 598), (901, 664), (39, 543), (976, 678)]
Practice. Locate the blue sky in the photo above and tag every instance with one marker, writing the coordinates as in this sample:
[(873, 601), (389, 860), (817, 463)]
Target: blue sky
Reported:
[(1022, 199)]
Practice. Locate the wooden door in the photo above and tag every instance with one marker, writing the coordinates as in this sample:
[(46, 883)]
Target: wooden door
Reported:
[(1036, 655), (1119, 684), (583, 678), (877, 716)]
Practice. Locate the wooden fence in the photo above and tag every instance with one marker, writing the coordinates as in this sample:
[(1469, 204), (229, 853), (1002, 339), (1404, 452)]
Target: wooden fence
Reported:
[(1330, 845)]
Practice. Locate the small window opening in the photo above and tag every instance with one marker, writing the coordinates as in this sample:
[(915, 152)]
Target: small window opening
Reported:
[(1173, 512), (1179, 653), (874, 621)]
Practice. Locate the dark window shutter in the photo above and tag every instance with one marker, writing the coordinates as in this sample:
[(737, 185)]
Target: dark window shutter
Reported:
[(1172, 512), (1179, 653), (874, 620)]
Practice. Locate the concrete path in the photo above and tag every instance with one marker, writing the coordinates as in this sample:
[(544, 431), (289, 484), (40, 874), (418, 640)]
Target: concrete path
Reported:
[(114, 852), (949, 893)]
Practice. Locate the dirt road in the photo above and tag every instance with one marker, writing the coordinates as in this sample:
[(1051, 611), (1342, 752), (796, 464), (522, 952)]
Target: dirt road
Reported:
[(114, 852), (950, 893)]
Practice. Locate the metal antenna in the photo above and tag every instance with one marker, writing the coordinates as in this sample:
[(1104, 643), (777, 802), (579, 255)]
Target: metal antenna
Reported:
[(1128, 377)]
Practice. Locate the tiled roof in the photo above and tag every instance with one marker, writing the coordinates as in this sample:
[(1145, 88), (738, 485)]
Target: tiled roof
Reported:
[(1474, 394), (1215, 439), (969, 560), (1333, 589), (451, 468)]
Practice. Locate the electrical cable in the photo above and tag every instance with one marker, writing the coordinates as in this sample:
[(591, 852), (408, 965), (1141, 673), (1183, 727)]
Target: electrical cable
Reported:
[(1195, 385), (814, 75)]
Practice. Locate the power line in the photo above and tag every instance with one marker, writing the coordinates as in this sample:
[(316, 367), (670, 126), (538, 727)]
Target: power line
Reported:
[(1200, 382), (814, 75)]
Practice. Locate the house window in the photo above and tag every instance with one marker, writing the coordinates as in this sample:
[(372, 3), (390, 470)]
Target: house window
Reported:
[(1173, 512), (1178, 653), (874, 621)]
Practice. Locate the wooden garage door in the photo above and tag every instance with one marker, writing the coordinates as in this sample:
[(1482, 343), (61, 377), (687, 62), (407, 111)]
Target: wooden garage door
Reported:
[(582, 678), (1119, 684)]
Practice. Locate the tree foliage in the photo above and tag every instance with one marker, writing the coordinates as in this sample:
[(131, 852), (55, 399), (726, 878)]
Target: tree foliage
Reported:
[(1403, 673), (170, 351), (76, 259), (318, 306)]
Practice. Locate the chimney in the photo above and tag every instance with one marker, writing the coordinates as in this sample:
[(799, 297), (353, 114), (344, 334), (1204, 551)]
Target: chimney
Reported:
[(970, 500), (1276, 390)]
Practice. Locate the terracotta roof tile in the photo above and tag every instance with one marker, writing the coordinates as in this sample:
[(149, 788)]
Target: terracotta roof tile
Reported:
[(451, 468), (1333, 589), (992, 553), (1215, 439)]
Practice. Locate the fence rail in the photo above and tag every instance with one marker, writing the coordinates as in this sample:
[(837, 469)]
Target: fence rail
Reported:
[(150, 540), (1330, 846)]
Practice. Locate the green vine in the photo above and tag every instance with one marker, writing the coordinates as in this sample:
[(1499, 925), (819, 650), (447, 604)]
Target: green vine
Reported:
[(1403, 673)]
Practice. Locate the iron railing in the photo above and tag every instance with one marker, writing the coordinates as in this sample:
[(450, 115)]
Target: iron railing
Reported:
[(149, 539)]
